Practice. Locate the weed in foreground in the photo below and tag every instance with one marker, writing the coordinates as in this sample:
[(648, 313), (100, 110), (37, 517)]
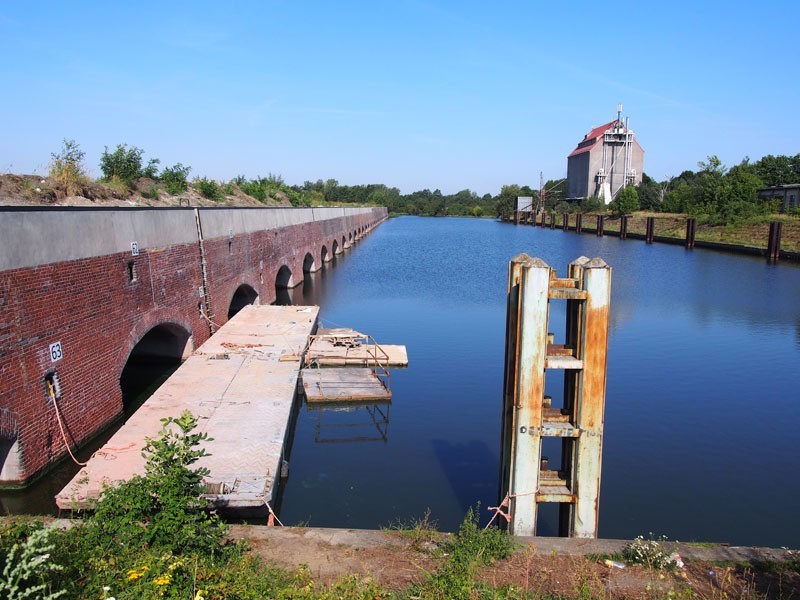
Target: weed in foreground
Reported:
[(28, 569), (470, 548), (421, 533), (650, 552), (66, 168)]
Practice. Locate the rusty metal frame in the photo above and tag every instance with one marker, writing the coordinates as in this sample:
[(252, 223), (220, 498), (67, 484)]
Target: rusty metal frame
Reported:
[(528, 417)]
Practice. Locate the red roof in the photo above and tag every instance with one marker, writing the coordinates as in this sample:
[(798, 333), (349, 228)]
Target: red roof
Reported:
[(594, 136)]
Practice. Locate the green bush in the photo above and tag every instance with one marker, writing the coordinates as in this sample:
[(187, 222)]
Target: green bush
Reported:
[(162, 509), (209, 189), (174, 178), (228, 189), (253, 188), (591, 204), (123, 164), (626, 202)]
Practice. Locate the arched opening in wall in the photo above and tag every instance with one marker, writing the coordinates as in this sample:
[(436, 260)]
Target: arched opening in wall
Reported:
[(335, 248), (152, 360), (324, 255), (308, 263), (243, 296), (10, 453), (283, 280)]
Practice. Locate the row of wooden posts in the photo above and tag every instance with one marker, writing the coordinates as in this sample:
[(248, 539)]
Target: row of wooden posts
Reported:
[(773, 242)]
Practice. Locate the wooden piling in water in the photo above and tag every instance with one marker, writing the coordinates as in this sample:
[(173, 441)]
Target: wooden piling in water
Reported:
[(527, 414), (599, 228), (691, 224), (578, 222), (565, 221), (552, 220), (623, 227), (544, 217), (774, 241)]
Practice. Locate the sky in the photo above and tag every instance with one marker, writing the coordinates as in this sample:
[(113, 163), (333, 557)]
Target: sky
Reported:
[(414, 94)]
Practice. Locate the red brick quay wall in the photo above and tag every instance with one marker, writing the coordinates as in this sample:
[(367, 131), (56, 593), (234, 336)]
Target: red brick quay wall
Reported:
[(81, 287)]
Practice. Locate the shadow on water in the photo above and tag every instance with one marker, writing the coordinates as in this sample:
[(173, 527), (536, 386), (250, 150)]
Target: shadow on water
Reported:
[(471, 470)]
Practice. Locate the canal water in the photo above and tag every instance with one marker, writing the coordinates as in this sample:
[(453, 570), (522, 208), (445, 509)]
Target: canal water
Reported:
[(703, 400), (702, 403)]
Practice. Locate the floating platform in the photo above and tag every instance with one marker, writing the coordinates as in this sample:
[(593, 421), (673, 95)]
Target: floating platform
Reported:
[(343, 347), (343, 384), (241, 385)]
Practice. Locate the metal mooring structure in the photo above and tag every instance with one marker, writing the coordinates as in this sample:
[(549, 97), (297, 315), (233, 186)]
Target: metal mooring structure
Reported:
[(529, 416)]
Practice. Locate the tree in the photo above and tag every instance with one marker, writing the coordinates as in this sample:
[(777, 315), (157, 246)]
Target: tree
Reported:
[(649, 193), (778, 170), (626, 202), (507, 201)]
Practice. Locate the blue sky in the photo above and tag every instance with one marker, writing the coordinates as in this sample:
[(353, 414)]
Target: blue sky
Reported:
[(414, 94)]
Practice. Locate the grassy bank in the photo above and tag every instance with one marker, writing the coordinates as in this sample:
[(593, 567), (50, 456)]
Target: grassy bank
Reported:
[(153, 537), (752, 232)]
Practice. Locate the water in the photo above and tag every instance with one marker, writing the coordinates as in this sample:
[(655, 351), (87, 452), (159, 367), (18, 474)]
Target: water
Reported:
[(702, 401), (702, 398)]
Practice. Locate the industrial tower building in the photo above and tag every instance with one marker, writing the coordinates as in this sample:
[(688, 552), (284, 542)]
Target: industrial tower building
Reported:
[(605, 161)]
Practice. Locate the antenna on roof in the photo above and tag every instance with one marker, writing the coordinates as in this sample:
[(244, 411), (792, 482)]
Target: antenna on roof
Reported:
[(619, 111)]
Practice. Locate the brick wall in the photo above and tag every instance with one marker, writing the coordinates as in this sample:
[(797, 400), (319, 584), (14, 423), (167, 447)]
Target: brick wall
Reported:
[(100, 307)]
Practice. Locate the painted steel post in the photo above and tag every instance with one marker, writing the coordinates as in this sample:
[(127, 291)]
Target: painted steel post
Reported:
[(774, 242), (650, 230), (572, 339), (591, 394), (532, 344), (510, 373), (691, 224)]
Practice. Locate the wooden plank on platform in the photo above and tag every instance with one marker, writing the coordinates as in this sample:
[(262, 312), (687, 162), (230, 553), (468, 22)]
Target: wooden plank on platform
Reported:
[(325, 385)]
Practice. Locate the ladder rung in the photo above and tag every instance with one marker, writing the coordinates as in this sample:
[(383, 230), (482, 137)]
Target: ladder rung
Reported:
[(553, 429), (562, 362), (557, 293)]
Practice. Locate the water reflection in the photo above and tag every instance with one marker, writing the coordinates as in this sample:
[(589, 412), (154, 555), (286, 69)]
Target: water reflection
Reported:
[(351, 422), (309, 292), (703, 355)]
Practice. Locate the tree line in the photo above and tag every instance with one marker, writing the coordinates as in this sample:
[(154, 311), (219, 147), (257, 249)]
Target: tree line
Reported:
[(723, 194)]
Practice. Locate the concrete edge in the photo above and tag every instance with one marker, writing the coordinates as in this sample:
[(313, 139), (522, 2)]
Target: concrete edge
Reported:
[(358, 539)]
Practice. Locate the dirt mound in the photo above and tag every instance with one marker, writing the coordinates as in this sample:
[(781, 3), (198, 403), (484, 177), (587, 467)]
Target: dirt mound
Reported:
[(36, 190)]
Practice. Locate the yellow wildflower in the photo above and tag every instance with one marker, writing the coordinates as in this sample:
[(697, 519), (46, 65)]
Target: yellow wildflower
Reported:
[(135, 574), (163, 579)]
